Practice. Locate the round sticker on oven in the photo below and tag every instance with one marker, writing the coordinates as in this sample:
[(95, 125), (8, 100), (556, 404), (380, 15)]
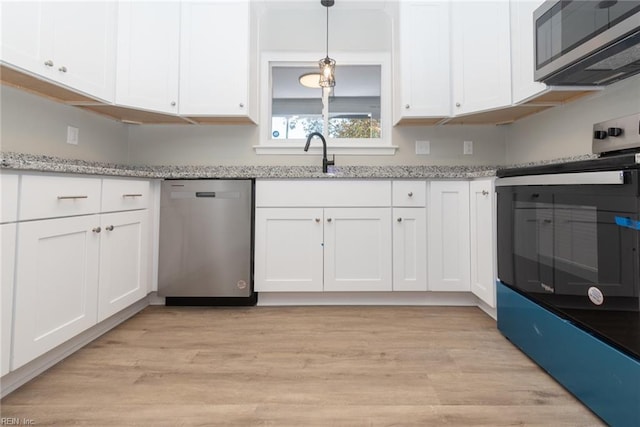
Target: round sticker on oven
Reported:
[(595, 295)]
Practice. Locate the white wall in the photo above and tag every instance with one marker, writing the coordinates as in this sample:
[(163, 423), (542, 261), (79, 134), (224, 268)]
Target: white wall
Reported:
[(566, 130), (233, 145), (36, 125)]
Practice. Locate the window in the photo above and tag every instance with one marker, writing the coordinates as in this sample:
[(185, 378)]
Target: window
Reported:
[(353, 116)]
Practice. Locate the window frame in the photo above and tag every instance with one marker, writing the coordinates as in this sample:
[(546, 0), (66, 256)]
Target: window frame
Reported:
[(339, 146)]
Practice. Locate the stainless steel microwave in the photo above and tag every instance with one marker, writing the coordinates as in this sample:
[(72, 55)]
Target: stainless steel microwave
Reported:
[(586, 43)]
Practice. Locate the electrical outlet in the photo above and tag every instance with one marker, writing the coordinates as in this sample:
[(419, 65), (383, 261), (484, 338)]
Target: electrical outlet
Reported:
[(72, 135), (468, 148), (423, 147)]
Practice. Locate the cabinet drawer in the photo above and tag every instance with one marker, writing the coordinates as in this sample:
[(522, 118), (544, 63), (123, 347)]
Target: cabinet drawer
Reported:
[(124, 194), (44, 196), (323, 193), (410, 193), (9, 192)]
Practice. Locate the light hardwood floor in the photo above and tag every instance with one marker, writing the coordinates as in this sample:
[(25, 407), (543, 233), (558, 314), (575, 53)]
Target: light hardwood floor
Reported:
[(299, 366)]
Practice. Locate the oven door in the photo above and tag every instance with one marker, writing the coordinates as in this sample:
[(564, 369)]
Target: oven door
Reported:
[(571, 245)]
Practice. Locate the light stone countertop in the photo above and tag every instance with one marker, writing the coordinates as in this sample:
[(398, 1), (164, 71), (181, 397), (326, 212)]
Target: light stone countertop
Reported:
[(39, 163)]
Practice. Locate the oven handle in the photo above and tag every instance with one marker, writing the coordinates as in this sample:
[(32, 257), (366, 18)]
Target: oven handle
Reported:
[(579, 178)]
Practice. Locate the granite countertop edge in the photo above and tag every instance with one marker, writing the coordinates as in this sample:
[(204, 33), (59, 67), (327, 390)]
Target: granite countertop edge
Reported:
[(40, 163)]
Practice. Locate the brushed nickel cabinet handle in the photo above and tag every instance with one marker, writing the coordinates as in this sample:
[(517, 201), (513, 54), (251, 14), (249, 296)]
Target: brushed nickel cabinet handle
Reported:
[(317, 219), (410, 194), (48, 63), (485, 192), (109, 228), (328, 219), (97, 230), (72, 197), (132, 195), (399, 219), (63, 69)]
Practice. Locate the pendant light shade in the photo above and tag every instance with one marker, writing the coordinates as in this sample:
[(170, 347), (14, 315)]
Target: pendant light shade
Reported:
[(327, 72), (327, 65)]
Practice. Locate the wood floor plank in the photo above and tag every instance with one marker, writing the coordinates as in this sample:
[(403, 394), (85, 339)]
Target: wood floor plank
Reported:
[(299, 366)]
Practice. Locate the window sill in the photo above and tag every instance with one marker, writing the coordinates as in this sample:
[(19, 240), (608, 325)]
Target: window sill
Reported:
[(284, 148)]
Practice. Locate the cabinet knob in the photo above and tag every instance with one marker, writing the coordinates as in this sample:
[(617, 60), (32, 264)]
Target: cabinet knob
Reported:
[(485, 192), (457, 104), (407, 106), (97, 230), (241, 105), (399, 220), (173, 103), (328, 219), (317, 219), (48, 63), (63, 69), (410, 194), (109, 228)]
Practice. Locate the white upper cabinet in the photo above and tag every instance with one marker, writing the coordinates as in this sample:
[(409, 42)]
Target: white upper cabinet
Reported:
[(481, 67), (215, 59), (522, 52), (148, 64), (423, 58), (23, 41), (70, 43)]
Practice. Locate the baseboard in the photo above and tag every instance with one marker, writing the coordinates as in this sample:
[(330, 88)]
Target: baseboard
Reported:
[(13, 380), (367, 298)]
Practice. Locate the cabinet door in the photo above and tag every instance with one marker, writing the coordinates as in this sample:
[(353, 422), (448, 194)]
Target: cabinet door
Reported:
[(24, 43), (482, 228), (409, 249), (148, 55), (214, 58), (7, 257), (83, 39), (448, 230), (83, 46), (124, 261), (480, 55), (522, 51), (288, 249), (56, 288), (424, 59), (357, 249)]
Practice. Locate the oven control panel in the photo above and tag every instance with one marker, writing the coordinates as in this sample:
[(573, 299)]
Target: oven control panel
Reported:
[(617, 134)]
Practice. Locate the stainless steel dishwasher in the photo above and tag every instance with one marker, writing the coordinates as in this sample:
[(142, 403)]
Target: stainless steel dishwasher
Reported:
[(206, 242)]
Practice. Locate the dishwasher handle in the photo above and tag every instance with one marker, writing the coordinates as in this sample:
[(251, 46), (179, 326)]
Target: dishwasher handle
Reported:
[(205, 194)]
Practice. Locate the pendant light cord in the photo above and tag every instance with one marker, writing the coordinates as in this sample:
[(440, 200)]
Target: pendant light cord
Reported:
[(327, 31)]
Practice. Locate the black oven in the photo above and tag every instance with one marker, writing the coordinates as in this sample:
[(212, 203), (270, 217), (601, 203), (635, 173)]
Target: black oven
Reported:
[(569, 239)]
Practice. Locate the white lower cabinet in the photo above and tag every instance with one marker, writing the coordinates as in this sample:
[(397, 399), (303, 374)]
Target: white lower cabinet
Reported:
[(449, 257), (318, 236), (7, 263), (289, 249), (357, 249), (409, 249), (123, 261), (482, 239), (400, 235), (56, 283), (316, 249), (82, 255)]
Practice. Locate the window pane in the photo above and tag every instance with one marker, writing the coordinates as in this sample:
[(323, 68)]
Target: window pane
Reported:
[(354, 103)]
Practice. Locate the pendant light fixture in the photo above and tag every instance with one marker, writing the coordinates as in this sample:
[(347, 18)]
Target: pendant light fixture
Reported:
[(327, 65)]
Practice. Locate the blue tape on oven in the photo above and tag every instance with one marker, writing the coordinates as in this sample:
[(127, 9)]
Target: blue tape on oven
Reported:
[(627, 222)]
